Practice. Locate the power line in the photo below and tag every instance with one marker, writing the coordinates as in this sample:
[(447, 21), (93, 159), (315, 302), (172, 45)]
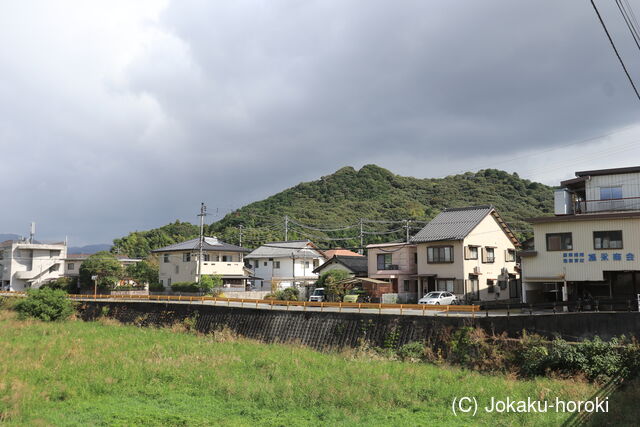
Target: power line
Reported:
[(615, 49), (630, 25)]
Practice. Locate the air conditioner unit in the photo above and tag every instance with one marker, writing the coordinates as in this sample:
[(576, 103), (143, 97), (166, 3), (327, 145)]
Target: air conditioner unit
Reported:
[(476, 270)]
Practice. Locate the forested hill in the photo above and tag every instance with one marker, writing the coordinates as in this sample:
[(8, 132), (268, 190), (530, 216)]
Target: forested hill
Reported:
[(339, 200)]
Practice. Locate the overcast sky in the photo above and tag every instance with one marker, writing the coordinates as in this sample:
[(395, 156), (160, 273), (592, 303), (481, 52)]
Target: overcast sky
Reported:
[(124, 115)]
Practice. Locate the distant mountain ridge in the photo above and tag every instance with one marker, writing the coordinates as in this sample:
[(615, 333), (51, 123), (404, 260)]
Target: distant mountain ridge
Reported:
[(339, 200), (88, 249), (4, 237)]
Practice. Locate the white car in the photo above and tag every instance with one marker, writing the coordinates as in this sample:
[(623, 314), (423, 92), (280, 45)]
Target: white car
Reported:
[(317, 295), (438, 298)]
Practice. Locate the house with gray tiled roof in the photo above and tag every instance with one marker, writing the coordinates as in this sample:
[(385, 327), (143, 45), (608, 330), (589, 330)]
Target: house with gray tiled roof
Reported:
[(470, 252), (284, 264), (179, 262)]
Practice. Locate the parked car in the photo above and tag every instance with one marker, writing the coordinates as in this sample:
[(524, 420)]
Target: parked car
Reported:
[(317, 295), (438, 298)]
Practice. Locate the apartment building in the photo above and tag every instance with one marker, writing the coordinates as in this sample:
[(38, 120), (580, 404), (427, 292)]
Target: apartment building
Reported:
[(590, 248), (179, 262), (280, 265), (468, 251), (25, 264)]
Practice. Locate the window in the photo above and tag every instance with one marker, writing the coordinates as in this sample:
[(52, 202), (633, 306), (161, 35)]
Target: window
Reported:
[(71, 266), (608, 193), (265, 263), (165, 258), (316, 263), (206, 257), (306, 264), (439, 254), (444, 285), (407, 285), (276, 264), (491, 286), (415, 258), (471, 252), (162, 282), (227, 258), (559, 242), (177, 269), (186, 257), (54, 253), (488, 255), (384, 261), (256, 263), (169, 281), (510, 255), (607, 239)]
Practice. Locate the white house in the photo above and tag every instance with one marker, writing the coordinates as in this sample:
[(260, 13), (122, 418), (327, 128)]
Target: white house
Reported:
[(284, 264), (24, 264), (179, 262)]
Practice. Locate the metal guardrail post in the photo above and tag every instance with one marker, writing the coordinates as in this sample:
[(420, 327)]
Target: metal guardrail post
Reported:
[(597, 305), (379, 308), (287, 305), (447, 311), (339, 307), (321, 306), (400, 309)]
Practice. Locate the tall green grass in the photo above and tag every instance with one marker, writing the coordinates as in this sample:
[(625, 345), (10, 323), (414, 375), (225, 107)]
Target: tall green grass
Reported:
[(98, 373)]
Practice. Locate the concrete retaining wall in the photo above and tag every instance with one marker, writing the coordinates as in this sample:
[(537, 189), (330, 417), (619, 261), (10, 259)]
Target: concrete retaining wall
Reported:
[(322, 330)]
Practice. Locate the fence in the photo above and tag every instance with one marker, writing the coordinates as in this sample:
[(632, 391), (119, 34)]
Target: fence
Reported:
[(256, 302)]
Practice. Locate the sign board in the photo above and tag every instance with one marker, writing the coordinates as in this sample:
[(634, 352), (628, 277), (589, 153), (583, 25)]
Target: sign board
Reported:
[(94, 277)]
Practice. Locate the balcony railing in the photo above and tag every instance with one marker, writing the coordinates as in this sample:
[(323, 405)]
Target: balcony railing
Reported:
[(389, 267), (623, 204)]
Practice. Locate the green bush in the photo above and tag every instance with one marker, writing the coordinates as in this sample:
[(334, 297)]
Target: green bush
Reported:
[(412, 352), (66, 284), (45, 304), (287, 294), (189, 287), (156, 287), (210, 285)]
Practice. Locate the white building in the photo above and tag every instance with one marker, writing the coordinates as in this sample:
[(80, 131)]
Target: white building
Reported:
[(179, 262), (73, 262), (590, 249), (25, 265), (283, 264)]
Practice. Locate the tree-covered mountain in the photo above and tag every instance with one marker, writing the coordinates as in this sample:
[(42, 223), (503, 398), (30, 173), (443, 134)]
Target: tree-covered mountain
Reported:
[(340, 200)]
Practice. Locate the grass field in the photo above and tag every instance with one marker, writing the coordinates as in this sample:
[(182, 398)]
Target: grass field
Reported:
[(99, 373)]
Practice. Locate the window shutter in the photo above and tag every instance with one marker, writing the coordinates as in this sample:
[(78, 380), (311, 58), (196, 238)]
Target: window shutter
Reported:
[(467, 252), (484, 255)]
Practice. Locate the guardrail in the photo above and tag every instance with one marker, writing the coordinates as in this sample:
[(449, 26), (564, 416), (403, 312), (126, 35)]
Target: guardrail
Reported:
[(250, 303)]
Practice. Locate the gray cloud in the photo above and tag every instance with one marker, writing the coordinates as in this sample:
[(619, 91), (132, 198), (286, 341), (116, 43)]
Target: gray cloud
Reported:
[(125, 117)]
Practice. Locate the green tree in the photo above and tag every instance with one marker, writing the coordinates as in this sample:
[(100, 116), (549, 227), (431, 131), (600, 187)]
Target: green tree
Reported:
[(104, 265), (333, 283), (145, 271), (210, 285)]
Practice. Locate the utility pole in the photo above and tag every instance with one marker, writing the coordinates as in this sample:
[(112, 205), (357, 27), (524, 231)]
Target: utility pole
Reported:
[(361, 237), (240, 227), (406, 225), (202, 214), (286, 228)]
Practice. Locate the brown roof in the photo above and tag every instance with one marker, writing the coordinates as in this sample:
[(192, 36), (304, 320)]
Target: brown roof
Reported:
[(583, 217), (339, 251)]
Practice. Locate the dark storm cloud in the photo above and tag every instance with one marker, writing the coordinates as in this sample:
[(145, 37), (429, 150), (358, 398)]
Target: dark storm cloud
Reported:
[(228, 102)]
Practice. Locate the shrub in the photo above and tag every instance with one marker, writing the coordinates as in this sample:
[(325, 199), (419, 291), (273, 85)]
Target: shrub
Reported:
[(412, 352), (287, 294), (185, 287), (45, 304), (156, 287), (66, 284), (210, 285)]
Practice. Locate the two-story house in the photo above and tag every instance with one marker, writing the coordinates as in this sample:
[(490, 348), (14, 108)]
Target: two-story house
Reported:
[(284, 264), (468, 251), (590, 248), (26, 264), (73, 262), (396, 263), (179, 262)]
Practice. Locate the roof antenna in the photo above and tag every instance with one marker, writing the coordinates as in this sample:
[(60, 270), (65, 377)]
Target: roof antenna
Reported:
[(32, 233)]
